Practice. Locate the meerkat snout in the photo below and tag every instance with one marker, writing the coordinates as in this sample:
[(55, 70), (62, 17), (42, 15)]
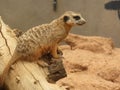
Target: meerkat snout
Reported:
[(81, 21)]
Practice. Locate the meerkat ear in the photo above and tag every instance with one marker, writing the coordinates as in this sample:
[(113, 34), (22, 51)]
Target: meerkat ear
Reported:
[(65, 18)]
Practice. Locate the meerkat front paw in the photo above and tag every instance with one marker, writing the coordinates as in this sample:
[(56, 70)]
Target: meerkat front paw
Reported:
[(59, 52), (42, 63), (58, 58)]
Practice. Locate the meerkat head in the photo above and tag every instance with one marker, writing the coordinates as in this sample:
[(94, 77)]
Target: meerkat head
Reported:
[(72, 18)]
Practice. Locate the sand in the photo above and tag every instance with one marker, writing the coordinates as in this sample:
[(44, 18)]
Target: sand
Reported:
[(91, 63)]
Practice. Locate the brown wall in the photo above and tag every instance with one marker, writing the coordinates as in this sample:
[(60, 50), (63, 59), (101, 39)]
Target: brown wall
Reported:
[(101, 15)]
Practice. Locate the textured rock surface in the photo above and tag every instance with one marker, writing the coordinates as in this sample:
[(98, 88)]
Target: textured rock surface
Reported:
[(94, 64)]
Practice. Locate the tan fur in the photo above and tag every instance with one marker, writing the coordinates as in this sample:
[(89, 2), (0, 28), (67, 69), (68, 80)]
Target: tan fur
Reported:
[(42, 39)]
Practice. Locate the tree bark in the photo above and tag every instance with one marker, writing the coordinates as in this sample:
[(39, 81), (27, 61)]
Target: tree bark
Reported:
[(23, 75)]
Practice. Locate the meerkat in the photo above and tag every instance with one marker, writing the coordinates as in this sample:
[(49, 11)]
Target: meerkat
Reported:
[(43, 39)]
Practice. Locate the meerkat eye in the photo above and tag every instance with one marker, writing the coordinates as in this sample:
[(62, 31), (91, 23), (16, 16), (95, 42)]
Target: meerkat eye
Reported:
[(76, 17), (66, 18)]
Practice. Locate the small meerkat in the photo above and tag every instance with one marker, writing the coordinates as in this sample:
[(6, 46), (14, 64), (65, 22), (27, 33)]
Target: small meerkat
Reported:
[(42, 39)]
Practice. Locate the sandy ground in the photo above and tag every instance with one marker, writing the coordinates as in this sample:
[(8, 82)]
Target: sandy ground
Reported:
[(92, 63)]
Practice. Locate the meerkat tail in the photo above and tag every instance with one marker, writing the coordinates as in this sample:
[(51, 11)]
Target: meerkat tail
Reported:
[(7, 68)]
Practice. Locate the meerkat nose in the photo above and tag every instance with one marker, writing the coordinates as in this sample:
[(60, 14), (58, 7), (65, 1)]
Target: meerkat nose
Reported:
[(83, 21)]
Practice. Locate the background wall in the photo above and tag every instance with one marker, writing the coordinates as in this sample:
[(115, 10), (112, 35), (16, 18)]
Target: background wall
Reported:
[(102, 16)]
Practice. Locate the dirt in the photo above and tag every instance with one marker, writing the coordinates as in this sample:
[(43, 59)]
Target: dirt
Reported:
[(92, 63)]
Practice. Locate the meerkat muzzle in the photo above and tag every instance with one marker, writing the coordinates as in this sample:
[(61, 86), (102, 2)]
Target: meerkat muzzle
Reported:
[(81, 21)]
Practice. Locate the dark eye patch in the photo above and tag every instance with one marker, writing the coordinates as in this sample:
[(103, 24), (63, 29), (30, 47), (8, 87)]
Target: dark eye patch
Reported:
[(76, 17), (66, 18)]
